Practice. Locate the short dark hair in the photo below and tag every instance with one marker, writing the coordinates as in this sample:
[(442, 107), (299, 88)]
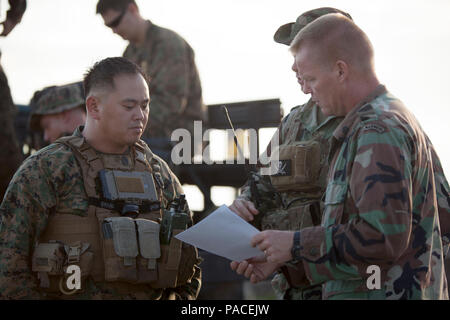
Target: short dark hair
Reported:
[(103, 72), (116, 5)]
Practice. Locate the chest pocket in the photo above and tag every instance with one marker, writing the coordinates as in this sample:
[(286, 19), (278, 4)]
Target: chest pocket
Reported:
[(334, 201)]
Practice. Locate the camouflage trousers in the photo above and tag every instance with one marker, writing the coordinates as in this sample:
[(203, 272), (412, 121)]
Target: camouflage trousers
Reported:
[(284, 291), (10, 153)]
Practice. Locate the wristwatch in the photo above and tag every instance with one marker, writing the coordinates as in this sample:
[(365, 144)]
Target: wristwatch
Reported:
[(295, 251)]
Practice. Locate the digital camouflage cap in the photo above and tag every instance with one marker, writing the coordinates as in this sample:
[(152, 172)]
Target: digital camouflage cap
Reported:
[(287, 32), (55, 99)]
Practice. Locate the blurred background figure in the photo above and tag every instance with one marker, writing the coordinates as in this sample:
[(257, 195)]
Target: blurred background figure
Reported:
[(57, 111), (10, 155), (169, 61)]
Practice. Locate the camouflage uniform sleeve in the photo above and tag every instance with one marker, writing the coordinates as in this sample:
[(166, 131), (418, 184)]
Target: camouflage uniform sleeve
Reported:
[(376, 198), (443, 198), (23, 214), (17, 9), (172, 190), (170, 81)]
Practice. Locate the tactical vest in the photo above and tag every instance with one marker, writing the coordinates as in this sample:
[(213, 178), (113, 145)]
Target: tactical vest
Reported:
[(107, 244), (299, 160), (297, 187), (300, 180)]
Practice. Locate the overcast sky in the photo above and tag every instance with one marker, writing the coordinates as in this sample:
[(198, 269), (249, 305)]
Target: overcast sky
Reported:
[(235, 52)]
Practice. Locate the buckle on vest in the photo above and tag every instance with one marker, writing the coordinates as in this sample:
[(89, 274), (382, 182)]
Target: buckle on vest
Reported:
[(73, 254), (75, 251), (130, 209)]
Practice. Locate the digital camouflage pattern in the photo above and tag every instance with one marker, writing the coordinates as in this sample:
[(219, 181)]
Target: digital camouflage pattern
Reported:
[(175, 88), (386, 204), (55, 99), (291, 210), (51, 181)]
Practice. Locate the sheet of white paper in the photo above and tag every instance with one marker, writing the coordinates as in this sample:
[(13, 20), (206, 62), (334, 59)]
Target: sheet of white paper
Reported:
[(223, 233)]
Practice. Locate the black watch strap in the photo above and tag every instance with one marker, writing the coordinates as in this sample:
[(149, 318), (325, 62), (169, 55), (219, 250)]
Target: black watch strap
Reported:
[(295, 251)]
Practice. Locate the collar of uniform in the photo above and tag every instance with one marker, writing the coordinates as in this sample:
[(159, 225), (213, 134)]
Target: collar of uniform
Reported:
[(312, 118), (344, 127), (78, 133), (142, 147), (148, 34)]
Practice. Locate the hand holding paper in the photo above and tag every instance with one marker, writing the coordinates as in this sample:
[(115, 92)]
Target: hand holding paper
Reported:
[(223, 233)]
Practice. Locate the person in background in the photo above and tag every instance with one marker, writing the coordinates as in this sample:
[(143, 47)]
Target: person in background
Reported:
[(169, 61), (11, 155), (57, 111)]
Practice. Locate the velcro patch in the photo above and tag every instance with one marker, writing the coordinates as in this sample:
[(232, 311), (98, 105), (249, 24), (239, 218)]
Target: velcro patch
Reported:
[(284, 168), (129, 184)]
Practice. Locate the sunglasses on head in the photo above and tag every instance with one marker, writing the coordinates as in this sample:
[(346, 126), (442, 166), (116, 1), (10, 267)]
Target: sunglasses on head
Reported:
[(116, 21)]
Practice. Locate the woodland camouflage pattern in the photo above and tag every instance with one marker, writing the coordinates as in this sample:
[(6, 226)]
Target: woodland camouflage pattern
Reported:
[(175, 88), (386, 204), (51, 181), (282, 211)]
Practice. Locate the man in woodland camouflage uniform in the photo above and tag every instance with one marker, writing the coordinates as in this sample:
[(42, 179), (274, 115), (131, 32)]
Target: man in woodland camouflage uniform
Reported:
[(289, 207), (386, 207), (95, 200), (168, 60), (11, 155), (57, 111)]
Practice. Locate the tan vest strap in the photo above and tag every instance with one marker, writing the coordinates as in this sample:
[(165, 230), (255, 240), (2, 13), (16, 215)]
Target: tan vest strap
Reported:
[(291, 137), (173, 261), (88, 160)]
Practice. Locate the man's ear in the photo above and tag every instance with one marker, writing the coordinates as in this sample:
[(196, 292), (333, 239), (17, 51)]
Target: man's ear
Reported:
[(341, 70), (93, 107)]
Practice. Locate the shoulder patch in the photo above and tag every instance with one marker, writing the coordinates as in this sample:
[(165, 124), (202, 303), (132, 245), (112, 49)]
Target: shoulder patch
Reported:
[(374, 127)]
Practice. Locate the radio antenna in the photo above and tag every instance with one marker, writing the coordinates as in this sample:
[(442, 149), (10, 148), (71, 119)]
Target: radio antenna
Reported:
[(224, 108)]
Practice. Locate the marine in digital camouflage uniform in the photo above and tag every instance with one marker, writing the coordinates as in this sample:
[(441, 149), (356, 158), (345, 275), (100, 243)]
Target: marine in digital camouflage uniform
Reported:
[(387, 199), (177, 93), (167, 59), (57, 111), (11, 155), (292, 210), (52, 181)]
